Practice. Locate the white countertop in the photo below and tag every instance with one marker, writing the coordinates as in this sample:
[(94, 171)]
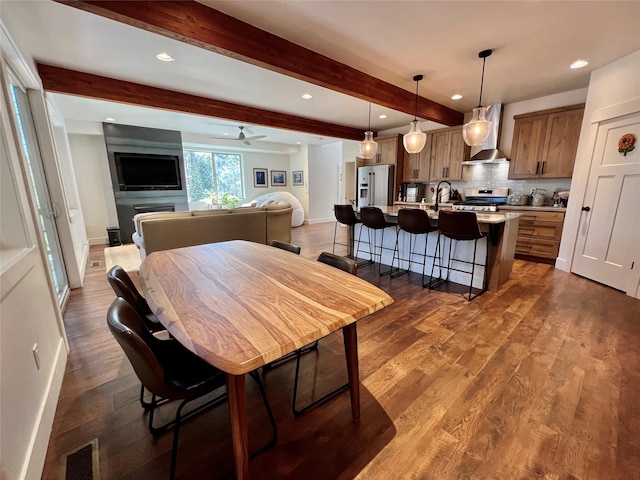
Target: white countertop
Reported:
[(490, 218), (546, 208)]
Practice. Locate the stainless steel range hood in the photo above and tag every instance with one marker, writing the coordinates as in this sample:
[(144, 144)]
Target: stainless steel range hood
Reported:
[(489, 152)]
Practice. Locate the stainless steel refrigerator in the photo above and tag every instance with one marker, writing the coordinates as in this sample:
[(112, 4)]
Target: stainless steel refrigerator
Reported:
[(375, 185)]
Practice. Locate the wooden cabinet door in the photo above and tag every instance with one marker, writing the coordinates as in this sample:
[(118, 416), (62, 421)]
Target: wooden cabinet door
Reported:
[(457, 149), (424, 162), (411, 166), (561, 144), (388, 150), (439, 154), (528, 145)]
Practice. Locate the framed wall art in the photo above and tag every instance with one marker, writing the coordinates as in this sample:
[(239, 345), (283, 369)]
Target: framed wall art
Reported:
[(298, 178), (260, 177), (278, 178)]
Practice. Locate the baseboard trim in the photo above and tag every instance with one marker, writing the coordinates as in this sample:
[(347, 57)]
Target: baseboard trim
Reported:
[(562, 264), (322, 220), (98, 241), (37, 451)]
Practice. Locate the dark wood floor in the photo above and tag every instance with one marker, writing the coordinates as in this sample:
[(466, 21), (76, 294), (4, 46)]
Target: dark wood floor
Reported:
[(538, 380)]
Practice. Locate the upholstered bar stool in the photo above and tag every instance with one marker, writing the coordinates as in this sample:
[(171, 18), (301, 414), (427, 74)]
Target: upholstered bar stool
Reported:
[(414, 222), (458, 227), (345, 216), (373, 219)]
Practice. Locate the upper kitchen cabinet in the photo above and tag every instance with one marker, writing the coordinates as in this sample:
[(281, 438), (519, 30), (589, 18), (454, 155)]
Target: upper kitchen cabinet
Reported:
[(448, 150), (390, 151), (545, 143), (416, 165)]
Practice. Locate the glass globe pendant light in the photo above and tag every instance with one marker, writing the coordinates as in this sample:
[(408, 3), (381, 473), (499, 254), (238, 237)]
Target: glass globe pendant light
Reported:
[(478, 129), (368, 148), (415, 140)]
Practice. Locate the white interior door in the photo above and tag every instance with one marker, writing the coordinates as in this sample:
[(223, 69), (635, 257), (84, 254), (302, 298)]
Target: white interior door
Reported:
[(608, 243)]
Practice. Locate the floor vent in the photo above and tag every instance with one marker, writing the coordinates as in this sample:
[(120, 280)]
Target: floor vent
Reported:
[(82, 463), (95, 263)]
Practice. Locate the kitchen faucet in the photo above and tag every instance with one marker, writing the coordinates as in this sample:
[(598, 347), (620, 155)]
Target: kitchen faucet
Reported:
[(438, 190)]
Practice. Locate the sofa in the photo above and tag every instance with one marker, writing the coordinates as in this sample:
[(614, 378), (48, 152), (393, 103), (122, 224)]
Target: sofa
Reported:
[(166, 230)]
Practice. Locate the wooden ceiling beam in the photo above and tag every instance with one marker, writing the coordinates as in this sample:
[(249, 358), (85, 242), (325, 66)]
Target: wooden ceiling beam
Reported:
[(196, 24), (62, 80)]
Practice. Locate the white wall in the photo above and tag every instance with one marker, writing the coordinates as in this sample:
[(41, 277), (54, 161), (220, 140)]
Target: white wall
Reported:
[(610, 85), (91, 166), (300, 161), (325, 162), (270, 161)]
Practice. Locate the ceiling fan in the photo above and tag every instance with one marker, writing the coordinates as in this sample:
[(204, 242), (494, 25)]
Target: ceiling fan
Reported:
[(242, 137)]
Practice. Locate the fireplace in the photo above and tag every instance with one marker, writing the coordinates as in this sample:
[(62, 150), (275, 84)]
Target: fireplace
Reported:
[(166, 207)]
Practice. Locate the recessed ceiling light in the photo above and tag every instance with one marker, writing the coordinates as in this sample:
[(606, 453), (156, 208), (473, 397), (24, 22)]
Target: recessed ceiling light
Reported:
[(579, 64), (382, 116), (307, 96), (457, 96), (298, 143), (110, 119), (225, 133), (165, 57)]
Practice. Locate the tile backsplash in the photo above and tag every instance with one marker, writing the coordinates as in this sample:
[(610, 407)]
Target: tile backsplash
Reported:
[(496, 175)]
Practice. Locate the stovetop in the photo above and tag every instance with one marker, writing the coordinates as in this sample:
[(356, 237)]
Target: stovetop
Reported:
[(482, 199), (476, 206)]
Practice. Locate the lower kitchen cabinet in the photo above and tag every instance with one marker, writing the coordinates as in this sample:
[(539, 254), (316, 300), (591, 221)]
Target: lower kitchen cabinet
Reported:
[(539, 235)]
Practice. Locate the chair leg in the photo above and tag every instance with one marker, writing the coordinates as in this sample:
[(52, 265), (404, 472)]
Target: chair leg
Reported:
[(176, 434), (272, 420), (473, 269), (335, 231), (437, 256), (299, 411), (399, 271), (424, 258)]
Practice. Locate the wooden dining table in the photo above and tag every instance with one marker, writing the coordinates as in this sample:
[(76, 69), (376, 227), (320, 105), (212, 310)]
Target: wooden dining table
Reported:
[(240, 305)]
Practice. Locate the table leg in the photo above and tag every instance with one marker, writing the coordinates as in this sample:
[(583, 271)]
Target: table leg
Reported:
[(351, 351), (236, 392)]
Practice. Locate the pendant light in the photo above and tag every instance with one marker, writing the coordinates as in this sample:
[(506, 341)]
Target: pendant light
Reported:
[(478, 129), (415, 140), (368, 148)]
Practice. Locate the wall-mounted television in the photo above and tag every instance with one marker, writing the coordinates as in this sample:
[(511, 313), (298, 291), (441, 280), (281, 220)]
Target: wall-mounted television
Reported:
[(142, 171)]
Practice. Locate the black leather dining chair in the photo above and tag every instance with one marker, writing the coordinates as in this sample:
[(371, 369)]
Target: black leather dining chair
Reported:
[(350, 266), (170, 371), (124, 287), (345, 215), (289, 247), (458, 227), (373, 219), (414, 222)]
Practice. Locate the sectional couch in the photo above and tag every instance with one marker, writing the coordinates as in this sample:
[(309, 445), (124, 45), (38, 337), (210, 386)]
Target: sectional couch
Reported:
[(163, 231)]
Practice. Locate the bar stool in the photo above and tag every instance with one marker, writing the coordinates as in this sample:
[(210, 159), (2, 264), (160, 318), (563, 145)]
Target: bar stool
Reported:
[(461, 227), (415, 222), (346, 216), (373, 219)]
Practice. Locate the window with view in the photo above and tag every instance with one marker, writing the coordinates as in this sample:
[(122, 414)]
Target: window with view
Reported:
[(213, 174)]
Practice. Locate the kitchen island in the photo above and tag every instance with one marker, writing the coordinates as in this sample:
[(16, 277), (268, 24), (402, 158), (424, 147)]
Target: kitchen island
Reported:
[(502, 230)]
